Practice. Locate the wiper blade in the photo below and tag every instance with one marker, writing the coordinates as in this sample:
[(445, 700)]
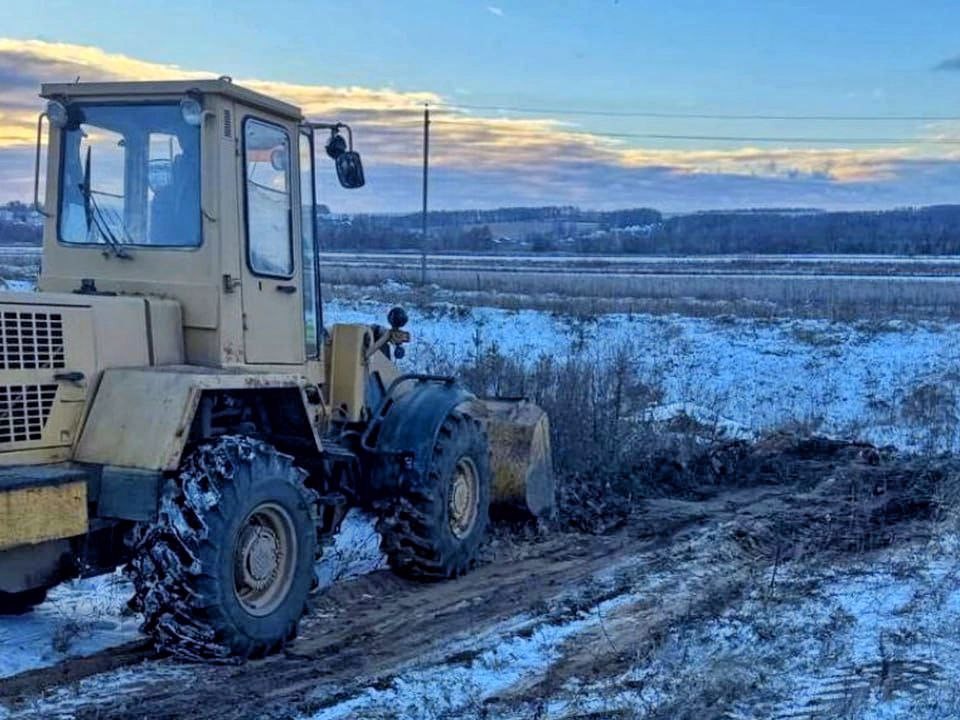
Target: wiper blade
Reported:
[(109, 239), (95, 216)]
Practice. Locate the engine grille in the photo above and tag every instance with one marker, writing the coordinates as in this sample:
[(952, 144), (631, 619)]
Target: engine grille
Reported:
[(24, 410), (31, 341)]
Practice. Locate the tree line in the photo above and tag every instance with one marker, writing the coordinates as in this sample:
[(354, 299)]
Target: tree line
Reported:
[(933, 230)]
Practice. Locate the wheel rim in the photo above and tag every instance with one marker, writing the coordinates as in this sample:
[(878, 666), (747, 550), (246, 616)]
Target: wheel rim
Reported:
[(464, 497), (264, 559)]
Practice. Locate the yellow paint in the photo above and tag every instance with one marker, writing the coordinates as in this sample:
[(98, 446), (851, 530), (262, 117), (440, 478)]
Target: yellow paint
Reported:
[(348, 370), (36, 514)]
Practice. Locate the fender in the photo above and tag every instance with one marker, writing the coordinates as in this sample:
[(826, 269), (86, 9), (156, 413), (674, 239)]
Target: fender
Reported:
[(404, 429), (141, 418)]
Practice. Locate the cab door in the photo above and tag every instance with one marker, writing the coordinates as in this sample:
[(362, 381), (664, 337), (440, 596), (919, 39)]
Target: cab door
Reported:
[(272, 296)]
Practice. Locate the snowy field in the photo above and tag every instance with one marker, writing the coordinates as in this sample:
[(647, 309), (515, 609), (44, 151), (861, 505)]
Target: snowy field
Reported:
[(890, 383)]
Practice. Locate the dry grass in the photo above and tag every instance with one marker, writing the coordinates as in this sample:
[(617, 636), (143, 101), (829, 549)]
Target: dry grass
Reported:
[(838, 298)]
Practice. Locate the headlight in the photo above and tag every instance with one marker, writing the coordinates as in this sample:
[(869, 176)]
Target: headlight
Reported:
[(191, 110), (57, 113)]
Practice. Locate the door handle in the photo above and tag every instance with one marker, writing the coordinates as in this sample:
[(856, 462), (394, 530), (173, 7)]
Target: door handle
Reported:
[(288, 289)]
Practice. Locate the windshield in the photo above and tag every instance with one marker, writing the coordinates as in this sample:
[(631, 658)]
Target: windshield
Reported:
[(131, 176)]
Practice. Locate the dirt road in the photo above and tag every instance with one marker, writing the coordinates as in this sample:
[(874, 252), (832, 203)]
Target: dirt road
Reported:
[(683, 612)]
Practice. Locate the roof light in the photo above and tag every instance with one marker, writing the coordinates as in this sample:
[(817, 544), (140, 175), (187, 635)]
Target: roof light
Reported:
[(191, 110)]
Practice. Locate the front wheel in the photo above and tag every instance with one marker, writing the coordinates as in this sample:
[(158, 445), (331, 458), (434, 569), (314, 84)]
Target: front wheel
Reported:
[(227, 568), (435, 527)]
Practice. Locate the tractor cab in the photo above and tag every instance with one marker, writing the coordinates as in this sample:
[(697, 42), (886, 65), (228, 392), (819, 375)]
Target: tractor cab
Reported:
[(198, 191)]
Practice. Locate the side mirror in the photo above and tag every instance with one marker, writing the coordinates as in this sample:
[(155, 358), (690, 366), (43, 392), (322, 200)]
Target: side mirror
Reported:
[(350, 170)]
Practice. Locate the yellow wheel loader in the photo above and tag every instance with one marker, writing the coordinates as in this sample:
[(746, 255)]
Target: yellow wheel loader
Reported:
[(171, 401)]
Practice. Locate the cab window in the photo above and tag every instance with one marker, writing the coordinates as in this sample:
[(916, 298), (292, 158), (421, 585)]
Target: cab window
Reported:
[(266, 149), (131, 176)]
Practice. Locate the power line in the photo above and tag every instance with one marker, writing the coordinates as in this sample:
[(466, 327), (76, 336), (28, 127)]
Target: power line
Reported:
[(741, 138), (697, 116)]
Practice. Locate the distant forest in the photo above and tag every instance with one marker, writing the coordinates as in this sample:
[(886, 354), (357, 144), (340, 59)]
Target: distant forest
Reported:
[(933, 230)]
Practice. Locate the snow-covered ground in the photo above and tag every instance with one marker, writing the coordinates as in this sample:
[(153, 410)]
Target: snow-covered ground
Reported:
[(81, 617), (869, 640), (893, 383), (872, 639)]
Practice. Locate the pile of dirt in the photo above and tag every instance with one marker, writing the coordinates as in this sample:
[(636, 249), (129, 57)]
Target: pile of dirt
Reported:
[(843, 494)]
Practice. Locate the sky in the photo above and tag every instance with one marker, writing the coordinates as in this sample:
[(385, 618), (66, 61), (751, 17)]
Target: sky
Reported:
[(594, 74)]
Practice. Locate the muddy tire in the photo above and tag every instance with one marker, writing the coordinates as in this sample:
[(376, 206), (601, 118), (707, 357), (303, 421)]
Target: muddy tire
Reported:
[(226, 570), (20, 603), (434, 529)]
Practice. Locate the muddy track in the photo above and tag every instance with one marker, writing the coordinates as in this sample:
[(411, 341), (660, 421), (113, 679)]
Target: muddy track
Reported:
[(360, 633), (363, 632), (675, 561)]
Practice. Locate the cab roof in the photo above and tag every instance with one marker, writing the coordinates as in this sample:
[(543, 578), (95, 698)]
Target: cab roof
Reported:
[(138, 90)]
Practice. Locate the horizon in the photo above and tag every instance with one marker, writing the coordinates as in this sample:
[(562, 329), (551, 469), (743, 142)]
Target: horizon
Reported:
[(603, 105), (772, 210)]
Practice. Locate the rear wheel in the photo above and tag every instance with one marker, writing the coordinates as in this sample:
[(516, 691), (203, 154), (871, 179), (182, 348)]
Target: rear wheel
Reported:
[(227, 568), (435, 528), (19, 603)]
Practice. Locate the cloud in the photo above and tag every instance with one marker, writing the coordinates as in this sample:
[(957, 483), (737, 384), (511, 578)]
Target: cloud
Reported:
[(483, 161), (948, 64), (495, 10)]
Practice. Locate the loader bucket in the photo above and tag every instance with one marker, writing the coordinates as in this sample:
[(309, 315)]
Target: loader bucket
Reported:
[(519, 433)]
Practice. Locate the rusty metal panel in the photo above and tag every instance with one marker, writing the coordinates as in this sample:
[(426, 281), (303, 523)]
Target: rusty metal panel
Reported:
[(33, 515)]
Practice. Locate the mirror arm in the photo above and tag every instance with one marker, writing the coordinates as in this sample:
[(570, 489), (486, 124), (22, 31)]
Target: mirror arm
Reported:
[(333, 127), (36, 169)]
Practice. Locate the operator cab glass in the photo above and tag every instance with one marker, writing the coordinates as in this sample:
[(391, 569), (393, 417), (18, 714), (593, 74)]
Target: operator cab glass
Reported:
[(131, 176), (268, 198)]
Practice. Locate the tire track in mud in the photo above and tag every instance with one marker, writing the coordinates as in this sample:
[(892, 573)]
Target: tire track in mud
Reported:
[(839, 692), (364, 632), (675, 562), (361, 633)]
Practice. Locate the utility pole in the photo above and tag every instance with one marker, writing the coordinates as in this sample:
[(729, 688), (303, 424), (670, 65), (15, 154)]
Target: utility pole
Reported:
[(423, 218)]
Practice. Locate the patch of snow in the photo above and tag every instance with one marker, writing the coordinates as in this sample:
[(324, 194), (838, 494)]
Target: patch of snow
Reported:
[(876, 640), (66, 702), (394, 285), (353, 551), (80, 617), (723, 427), (455, 691)]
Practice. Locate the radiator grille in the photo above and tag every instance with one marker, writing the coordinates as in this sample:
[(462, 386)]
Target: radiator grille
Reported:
[(24, 410), (31, 341)]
